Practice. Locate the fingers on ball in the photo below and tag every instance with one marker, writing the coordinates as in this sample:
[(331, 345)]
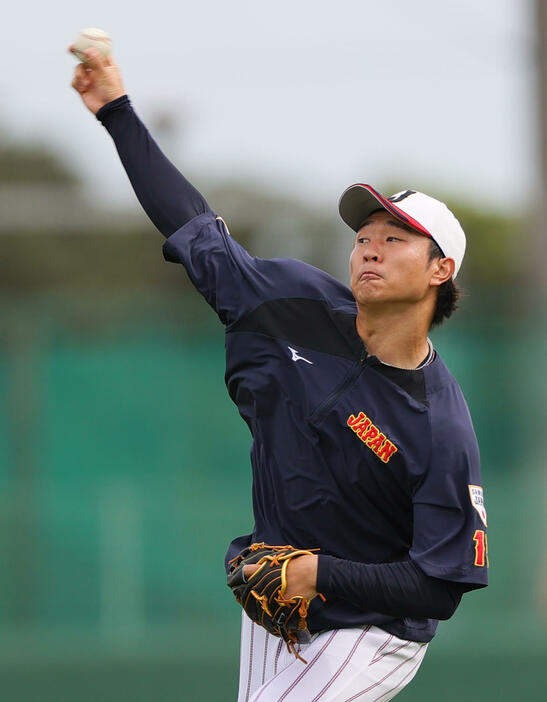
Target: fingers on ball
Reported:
[(95, 59)]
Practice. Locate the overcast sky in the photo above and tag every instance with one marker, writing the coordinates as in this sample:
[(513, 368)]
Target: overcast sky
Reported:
[(307, 95)]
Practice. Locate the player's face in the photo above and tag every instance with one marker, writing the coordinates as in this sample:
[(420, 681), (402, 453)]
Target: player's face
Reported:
[(390, 262)]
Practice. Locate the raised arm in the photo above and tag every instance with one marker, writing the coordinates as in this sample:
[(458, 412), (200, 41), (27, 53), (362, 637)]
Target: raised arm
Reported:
[(164, 193)]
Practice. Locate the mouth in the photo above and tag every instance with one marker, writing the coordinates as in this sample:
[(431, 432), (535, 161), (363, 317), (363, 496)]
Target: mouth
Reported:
[(370, 275)]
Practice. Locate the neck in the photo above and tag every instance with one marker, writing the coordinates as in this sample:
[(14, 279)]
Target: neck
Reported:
[(397, 336)]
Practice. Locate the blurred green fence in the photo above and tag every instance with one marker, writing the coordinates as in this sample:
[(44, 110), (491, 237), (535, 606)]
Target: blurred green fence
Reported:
[(124, 473)]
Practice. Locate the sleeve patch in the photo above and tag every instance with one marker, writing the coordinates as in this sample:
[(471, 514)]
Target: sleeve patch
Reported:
[(477, 500)]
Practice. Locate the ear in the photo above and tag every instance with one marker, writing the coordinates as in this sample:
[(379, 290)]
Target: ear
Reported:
[(443, 270)]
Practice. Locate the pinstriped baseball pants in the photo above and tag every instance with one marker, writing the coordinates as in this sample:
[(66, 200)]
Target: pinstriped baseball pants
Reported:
[(368, 665)]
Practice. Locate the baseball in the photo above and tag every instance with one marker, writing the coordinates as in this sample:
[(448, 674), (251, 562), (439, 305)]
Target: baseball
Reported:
[(92, 38)]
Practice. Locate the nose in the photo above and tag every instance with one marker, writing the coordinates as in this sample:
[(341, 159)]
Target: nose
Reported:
[(371, 252)]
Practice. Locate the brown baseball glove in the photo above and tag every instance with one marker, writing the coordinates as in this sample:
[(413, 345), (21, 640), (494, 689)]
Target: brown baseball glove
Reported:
[(262, 594)]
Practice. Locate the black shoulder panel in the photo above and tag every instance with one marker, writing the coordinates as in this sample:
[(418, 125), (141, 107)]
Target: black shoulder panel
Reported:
[(311, 324)]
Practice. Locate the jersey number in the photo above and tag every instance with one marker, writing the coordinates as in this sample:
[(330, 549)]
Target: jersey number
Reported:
[(481, 548)]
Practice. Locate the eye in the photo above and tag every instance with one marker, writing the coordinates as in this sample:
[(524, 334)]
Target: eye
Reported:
[(393, 238), (362, 239)]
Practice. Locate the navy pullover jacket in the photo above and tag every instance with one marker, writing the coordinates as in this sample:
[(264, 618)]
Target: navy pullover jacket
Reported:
[(376, 466)]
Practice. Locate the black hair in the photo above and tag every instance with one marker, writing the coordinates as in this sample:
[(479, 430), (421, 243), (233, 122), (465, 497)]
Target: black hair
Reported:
[(448, 293)]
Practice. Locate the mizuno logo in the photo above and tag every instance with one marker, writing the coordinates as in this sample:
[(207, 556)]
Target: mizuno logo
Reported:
[(295, 356), (401, 196)]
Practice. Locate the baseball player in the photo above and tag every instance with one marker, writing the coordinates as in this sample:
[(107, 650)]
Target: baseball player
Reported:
[(362, 443)]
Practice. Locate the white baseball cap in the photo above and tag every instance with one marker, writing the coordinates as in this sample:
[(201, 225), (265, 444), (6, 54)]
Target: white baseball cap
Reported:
[(423, 213)]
